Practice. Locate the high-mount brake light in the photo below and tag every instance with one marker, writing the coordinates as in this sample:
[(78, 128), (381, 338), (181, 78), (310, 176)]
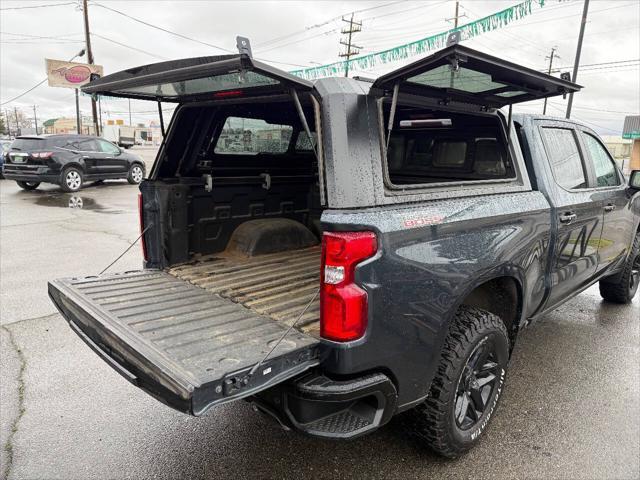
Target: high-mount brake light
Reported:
[(343, 304), (228, 94), (141, 217)]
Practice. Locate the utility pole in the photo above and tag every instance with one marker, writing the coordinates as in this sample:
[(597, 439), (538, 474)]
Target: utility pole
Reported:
[(455, 19), (77, 113), (15, 111), (35, 118), (100, 111), (576, 64), (455, 22), (6, 115), (87, 39), (130, 124), (352, 49), (457, 16), (550, 57)]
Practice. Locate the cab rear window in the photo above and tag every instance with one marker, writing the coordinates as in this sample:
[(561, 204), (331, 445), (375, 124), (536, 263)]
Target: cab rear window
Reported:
[(252, 136)]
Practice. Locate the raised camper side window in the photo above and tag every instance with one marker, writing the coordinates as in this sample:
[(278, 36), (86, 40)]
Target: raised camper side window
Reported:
[(430, 147)]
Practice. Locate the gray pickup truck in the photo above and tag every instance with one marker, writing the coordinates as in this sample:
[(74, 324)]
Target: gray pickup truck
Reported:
[(339, 251)]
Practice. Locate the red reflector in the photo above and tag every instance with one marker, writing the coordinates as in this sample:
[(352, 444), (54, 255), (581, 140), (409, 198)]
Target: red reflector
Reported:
[(141, 217), (228, 93), (343, 304)]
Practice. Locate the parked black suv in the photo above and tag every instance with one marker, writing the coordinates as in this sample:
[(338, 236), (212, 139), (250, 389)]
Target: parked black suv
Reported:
[(69, 161)]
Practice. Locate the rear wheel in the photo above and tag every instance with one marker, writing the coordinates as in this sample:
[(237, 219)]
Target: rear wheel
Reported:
[(467, 385), (135, 175), (28, 185), (622, 287), (71, 179)]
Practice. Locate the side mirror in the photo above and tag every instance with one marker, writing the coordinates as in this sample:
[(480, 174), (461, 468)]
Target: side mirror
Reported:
[(634, 180)]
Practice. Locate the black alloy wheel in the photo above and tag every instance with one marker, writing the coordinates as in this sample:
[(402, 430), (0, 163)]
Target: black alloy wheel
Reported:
[(476, 385), (467, 386), (634, 278), (623, 286), (28, 185)]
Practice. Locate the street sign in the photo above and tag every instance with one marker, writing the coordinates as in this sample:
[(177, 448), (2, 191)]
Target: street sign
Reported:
[(631, 129), (71, 74)]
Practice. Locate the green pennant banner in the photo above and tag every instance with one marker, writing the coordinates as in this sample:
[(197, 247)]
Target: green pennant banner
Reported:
[(491, 22)]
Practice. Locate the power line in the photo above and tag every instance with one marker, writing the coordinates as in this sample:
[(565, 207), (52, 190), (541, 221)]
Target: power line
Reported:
[(327, 32), (398, 12), (161, 28), (301, 40), (128, 46), (39, 36), (599, 64), (38, 84), (585, 121), (180, 35), (512, 35), (322, 24), (24, 93), (600, 110), (566, 16), (33, 42), (39, 6)]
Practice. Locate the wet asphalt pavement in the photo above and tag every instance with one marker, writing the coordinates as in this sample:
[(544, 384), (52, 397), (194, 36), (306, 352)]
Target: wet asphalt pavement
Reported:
[(571, 408)]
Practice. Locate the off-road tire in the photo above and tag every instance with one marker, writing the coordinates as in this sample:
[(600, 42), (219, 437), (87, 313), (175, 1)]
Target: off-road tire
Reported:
[(27, 185), (71, 179), (623, 286), (433, 421), (134, 177)]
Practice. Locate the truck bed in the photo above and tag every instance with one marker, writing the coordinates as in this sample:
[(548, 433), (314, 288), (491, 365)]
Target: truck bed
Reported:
[(277, 285)]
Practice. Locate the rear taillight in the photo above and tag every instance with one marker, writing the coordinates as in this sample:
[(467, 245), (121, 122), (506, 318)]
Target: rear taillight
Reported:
[(343, 304), (141, 215), (42, 154)]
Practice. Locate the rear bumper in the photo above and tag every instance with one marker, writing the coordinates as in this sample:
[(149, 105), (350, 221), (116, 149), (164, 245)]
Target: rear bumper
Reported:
[(30, 173), (340, 409)]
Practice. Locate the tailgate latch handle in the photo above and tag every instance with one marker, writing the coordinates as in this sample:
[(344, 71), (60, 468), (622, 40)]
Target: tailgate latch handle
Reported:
[(266, 181), (208, 182)]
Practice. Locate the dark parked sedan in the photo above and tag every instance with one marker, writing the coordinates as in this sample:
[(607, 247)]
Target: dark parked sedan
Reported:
[(68, 161)]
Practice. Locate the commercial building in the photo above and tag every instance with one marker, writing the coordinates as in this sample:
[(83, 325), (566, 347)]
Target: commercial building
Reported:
[(631, 131)]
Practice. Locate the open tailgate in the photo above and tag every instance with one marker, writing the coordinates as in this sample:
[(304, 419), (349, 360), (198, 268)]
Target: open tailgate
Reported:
[(187, 347)]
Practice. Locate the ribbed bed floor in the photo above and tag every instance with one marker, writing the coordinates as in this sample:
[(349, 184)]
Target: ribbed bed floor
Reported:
[(278, 285)]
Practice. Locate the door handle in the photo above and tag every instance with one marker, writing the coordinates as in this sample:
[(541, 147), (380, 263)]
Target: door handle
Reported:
[(610, 208), (568, 217)]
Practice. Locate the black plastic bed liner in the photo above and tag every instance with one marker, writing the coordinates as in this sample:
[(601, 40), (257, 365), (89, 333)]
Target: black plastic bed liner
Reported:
[(186, 346)]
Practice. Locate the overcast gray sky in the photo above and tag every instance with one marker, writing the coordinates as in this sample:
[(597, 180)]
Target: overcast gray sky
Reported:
[(311, 32)]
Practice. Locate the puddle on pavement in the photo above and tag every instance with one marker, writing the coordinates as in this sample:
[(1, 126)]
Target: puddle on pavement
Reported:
[(73, 201)]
